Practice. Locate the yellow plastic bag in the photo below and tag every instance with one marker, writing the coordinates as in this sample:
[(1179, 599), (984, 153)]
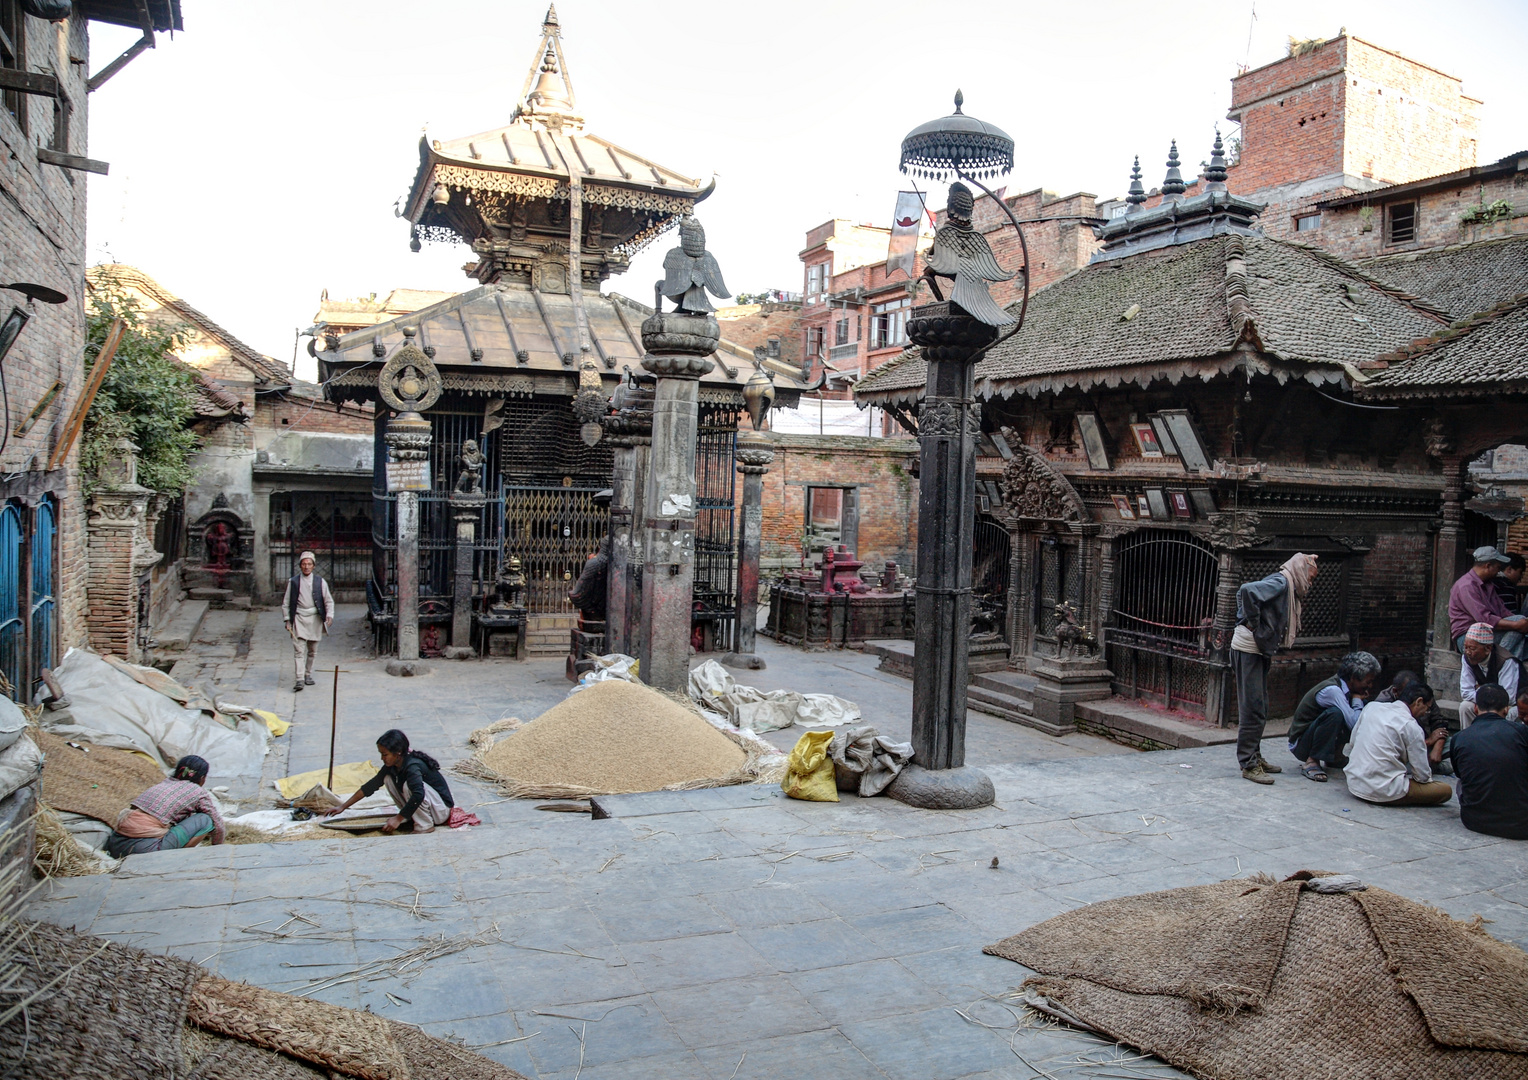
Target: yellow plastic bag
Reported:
[(347, 778), (278, 727), (809, 770)]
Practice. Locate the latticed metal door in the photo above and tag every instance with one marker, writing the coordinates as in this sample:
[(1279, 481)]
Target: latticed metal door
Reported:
[(715, 541), (12, 628), (989, 576), (42, 603), (1164, 608), (1323, 612), (553, 530)]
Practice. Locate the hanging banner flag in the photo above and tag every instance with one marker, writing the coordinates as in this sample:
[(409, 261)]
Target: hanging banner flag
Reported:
[(906, 225)]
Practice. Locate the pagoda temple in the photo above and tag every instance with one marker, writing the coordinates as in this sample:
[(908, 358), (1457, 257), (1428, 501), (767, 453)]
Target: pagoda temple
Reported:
[(550, 211)]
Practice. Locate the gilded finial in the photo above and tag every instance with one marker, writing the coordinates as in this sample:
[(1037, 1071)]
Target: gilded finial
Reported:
[(1173, 184)]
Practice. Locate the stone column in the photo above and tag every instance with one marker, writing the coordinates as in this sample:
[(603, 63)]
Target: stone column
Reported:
[(466, 509), (408, 443), (678, 345), (119, 551), (1448, 555), (948, 426), (754, 454), (629, 430)]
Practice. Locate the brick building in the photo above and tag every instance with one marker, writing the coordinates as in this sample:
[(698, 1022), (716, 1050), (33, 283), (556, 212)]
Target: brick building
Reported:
[(60, 586)]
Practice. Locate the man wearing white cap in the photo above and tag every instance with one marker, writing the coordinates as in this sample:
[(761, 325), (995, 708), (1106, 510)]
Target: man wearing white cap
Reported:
[(307, 610), (1484, 664)]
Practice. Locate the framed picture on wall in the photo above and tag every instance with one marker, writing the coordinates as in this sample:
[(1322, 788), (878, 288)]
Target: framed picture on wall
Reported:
[(1142, 510), (1184, 435), (1164, 437), (1122, 504), (1178, 500), (1146, 440), (1093, 441), (1156, 498)]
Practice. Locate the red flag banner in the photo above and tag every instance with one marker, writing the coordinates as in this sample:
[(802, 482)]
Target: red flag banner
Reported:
[(906, 225)]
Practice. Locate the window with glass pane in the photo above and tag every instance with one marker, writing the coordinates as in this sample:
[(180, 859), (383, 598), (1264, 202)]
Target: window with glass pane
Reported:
[(889, 323), (841, 332)]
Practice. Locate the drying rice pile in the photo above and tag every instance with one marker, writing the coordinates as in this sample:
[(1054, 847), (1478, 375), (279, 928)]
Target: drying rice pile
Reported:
[(613, 738)]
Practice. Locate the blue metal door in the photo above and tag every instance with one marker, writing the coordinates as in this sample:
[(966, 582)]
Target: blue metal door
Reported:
[(44, 556), (12, 630)]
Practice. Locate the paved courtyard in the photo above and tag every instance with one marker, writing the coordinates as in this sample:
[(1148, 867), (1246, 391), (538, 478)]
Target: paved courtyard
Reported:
[(733, 933)]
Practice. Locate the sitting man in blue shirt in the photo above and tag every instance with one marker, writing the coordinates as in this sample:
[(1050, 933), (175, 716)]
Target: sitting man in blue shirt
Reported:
[(1490, 758), (1324, 719)]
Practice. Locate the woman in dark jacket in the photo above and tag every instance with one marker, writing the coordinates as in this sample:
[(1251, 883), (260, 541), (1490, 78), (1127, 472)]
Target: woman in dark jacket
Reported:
[(414, 780)]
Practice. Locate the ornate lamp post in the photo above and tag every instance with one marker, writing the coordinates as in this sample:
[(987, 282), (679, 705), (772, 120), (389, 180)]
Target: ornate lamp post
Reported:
[(754, 454), (408, 383), (953, 335)]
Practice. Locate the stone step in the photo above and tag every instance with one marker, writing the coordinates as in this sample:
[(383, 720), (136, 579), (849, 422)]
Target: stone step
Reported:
[(896, 656), (1016, 710), (177, 633), (1154, 729), (208, 592), (1005, 682)]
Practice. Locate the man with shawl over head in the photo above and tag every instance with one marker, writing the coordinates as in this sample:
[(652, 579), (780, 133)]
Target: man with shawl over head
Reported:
[(1267, 620)]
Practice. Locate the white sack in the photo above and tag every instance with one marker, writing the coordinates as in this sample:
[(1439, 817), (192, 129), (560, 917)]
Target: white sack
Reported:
[(866, 761), (713, 688), (610, 666), (20, 764), (108, 708), (12, 722)]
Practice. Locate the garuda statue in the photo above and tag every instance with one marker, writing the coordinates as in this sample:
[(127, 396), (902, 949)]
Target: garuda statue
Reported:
[(962, 253), (689, 270), (470, 480)]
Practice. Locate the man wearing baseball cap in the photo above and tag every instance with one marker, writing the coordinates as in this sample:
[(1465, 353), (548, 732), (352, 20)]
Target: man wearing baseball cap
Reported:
[(1473, 600)]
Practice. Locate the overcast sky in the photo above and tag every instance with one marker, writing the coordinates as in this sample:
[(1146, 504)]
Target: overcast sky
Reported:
[(256, 158)]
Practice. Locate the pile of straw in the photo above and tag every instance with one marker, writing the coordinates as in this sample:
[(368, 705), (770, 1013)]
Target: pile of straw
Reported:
[(59, 854)]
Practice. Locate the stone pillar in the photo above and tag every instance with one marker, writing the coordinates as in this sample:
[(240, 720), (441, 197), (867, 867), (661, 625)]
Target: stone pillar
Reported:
[(629, 430), (678, 345), (754, 454), (466, 509), (1448, 559), (408, 443), (119, 551), (948, 426)]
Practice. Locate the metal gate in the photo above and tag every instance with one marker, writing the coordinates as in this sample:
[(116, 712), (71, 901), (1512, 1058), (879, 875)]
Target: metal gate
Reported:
[(553, 530), (715, 542), (12, 628), (1164, 607), (989, 574), (44, 554), (335, 526)]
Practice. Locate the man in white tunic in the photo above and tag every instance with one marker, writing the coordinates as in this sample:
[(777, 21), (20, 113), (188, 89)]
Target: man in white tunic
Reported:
[(307, 610)]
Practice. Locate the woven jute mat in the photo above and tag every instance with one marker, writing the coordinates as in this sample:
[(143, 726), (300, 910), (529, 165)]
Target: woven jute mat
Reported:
[(235, 1060), (98, 784), (1471, 988), (440, 1060), (1216, 945), (352, 1043), (107, 1011), (1334, 1011)]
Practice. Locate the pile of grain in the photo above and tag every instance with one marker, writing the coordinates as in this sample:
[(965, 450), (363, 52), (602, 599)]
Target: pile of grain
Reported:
[(612, 738)]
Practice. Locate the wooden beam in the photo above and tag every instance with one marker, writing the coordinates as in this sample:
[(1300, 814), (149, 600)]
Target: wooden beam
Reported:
[(87, 399), (71, 161), (28, 82), (96, 81)]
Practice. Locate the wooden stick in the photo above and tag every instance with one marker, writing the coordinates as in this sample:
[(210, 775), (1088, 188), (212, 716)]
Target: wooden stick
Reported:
[(334, 724), (87, 399)]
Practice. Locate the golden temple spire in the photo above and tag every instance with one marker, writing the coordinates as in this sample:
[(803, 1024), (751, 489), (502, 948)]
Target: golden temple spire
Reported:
[(548, 88)]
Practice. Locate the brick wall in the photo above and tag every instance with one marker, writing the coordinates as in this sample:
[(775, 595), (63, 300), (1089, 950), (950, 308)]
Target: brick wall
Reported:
[(42, 239), (752, 325), (888, 494), (1393, 613), (283, 413)]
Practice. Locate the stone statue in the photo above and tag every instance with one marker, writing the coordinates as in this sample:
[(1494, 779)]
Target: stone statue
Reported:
[(689, 270), (1070, 634), (962, 253), (470, 480)]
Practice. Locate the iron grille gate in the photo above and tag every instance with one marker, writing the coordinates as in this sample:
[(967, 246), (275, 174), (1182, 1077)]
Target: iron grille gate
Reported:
[(553, 530), (989, 576), (715, 542), (1323, 612), (28, 566), (1164, 607), (336, 527)]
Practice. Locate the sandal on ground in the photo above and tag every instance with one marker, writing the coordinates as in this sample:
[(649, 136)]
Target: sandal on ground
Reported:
[(1313, 772)]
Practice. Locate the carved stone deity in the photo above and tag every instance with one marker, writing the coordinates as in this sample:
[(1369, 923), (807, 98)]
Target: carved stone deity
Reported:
[(470, 480)]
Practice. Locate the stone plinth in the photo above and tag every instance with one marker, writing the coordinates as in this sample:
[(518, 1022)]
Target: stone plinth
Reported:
[(754, 455), (1060, 684)]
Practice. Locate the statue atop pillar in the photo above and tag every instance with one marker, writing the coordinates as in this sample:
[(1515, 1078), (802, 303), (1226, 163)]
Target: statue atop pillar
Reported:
[(689, 272)]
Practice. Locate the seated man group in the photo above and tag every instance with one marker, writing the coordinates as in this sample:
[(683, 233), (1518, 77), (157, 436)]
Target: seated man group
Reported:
[(1475, 598)]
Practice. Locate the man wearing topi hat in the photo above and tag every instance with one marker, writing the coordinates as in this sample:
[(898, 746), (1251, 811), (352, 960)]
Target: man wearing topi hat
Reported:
[(307, 609), (1473, 600)]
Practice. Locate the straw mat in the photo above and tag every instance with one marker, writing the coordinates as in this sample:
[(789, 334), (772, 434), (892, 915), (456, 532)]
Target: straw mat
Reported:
[(351, 1043), (1471, 988), (1237, 930), (1334, 1011), (99, 784), (234, 1060), (441, 1060), (112, 1012)]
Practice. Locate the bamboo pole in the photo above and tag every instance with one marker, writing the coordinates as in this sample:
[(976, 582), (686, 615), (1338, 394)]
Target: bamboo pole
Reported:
[(87, 399)]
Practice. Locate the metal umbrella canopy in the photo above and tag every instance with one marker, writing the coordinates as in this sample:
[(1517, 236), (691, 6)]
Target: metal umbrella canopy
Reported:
[(963, 146)]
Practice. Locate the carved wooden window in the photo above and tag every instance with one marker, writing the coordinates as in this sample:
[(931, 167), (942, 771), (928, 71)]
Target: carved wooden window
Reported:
[(1324, 613), (13, 55)]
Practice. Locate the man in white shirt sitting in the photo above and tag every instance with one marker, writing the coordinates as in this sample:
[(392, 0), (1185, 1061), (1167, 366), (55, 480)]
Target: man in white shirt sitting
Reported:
[(1482, 664), (1387, 761)]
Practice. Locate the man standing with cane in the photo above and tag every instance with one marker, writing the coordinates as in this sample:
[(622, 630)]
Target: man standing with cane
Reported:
[(307, 611)]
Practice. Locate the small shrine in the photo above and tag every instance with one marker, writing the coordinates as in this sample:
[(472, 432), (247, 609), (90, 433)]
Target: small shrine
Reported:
[(832, 604), (526, 364)]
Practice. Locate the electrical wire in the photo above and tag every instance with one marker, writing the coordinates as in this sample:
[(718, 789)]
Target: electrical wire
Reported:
[(1353, 404)]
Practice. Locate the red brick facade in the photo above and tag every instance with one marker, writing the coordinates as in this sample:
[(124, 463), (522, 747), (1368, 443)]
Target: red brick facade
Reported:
[(282, 413)]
